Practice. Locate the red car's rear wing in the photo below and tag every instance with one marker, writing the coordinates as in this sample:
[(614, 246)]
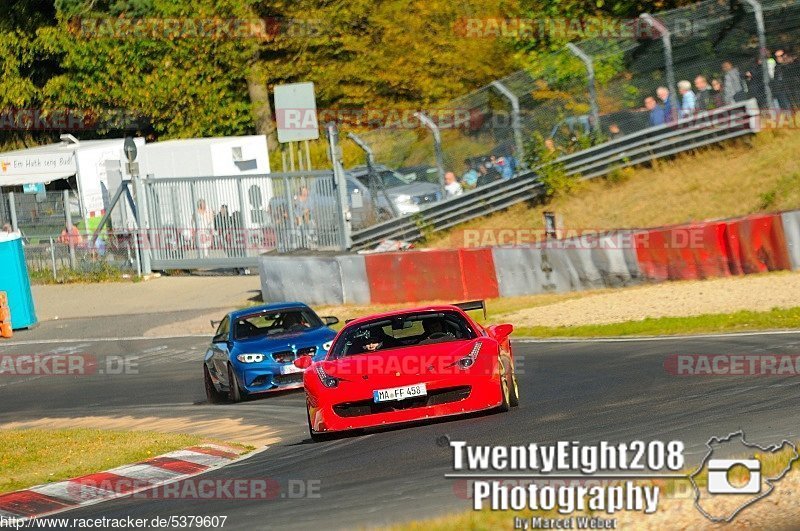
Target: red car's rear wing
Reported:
[(472, 305)]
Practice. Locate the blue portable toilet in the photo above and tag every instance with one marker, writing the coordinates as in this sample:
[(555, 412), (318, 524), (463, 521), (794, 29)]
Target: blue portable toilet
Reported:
[(14, 280)]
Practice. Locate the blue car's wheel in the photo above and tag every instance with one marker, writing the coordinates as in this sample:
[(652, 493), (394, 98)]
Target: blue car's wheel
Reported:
[(234, 392), (212, 394)]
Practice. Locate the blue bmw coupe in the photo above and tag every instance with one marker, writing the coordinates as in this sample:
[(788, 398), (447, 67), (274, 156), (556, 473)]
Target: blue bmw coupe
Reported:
[(253, 349)]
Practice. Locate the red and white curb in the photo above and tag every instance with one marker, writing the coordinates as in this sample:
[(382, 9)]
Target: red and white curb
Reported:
[(175, 466)]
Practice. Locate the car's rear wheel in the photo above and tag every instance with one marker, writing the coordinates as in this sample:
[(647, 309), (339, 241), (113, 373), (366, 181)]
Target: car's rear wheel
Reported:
[(505, 388), (234, 392), (212, 394), (513, 399)]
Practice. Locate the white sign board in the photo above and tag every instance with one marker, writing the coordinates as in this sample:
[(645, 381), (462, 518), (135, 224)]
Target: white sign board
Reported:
[(36, 168), (296, 112)]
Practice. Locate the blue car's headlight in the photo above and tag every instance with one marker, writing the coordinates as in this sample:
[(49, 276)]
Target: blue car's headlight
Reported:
[(327, 346), (250, 358)]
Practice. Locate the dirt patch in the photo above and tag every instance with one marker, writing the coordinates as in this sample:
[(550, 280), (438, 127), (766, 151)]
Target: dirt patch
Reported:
[(670, 299), (165, 294), (234, 430)]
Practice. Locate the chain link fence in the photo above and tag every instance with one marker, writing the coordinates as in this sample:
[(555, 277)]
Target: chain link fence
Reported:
[(51, 253), (647, 71)]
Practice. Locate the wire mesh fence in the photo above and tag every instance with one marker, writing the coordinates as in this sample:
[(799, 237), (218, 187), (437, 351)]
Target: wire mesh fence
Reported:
[(226, 219), (656, 69)]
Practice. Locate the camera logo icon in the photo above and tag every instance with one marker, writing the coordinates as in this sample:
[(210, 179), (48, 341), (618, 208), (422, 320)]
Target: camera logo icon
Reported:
[(721, 470)]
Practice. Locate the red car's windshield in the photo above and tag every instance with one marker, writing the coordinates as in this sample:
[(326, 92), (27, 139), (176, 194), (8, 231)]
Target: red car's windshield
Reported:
[(402, 331)]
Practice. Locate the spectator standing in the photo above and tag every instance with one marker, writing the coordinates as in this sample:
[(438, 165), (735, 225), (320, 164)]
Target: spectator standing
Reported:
[(670, 115), (223, 225), (71, 236), (780, 83), (655, 111), (614, 132), (204, 219), (704, 95), (470, 177), (452, 187), (717, 94), (688, 100), (733, 85), (488, 173), (303, 206)]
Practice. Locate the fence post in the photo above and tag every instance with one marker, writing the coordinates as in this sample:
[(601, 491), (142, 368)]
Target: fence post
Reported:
[(669, 70), (758, 13), (340, 180), (12, 210), (53, 257), (515, 118), (590, 82), (143, 222), (437, 147), (68, 232)]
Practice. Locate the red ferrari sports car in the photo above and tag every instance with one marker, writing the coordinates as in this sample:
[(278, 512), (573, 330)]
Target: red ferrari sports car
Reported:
[(409, 365)]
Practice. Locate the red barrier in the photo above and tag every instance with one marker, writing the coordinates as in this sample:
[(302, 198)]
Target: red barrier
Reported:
[(757, 244), (711, 252), (478, 275), (443, 275), (686, 252)]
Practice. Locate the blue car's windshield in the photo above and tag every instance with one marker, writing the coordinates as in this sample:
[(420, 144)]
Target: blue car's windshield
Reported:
[(270, 323)]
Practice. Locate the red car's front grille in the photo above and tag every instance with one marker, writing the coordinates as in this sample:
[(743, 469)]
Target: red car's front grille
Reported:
[(369, 407)]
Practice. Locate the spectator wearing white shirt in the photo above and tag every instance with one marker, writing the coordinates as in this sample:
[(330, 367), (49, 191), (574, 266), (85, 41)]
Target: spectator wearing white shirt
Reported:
[(688, 100), (451, 186)]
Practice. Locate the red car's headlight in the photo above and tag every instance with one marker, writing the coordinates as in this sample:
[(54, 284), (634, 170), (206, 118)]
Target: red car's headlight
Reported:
[(328, 381), (467, 361)]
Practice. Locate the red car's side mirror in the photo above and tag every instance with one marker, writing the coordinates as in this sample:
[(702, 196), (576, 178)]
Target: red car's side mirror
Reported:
[(303, 362), (502, 331)]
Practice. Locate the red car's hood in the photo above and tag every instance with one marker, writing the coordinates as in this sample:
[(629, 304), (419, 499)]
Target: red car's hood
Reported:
[(432, 360)]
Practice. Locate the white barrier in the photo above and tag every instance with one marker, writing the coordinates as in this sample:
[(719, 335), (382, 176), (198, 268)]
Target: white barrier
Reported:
[(791, 230), (314, 279)]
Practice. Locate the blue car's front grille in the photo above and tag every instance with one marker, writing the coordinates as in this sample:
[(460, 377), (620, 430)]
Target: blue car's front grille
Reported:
[(284, 356), (308, 351), (288, 356)]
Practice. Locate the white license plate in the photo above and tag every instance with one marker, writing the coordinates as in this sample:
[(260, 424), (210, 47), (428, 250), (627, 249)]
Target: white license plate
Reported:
[(399, 393), (290, 369)]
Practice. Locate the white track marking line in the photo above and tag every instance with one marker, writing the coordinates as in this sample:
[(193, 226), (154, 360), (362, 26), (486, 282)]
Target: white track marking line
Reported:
[(146, 473), (73, 492), (99, 340), (651, 338)]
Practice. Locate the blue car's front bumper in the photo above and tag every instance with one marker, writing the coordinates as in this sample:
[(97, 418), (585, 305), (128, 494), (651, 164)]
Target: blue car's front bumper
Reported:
[(270, 375)]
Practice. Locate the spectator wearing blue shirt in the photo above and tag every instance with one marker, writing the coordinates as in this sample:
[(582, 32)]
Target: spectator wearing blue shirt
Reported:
[(656, 111), (688, 100), (669, 113), (470, 177)]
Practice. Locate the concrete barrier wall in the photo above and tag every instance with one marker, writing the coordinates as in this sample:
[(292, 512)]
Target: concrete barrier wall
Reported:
[(751, 244), (791, 231), (353, 273), (314, 279)]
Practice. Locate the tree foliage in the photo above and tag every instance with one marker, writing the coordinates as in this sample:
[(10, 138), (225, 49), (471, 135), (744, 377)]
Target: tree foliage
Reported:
[(112, 55)]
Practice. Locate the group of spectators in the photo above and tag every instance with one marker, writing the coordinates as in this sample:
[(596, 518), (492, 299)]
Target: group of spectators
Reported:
[(481, 171), (733, 86)]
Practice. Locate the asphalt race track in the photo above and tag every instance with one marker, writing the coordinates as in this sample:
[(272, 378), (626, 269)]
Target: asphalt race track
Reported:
[(588, 391)]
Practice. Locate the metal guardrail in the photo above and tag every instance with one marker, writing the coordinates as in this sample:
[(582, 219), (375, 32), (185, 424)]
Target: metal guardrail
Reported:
[(655, 142)]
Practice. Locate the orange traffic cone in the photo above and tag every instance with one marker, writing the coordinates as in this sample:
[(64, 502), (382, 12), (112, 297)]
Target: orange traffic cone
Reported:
[(5, 316)]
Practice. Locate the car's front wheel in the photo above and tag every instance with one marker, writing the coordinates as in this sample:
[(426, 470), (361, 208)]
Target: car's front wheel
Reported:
[(212, 393), (234, 392), (314, 435)]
